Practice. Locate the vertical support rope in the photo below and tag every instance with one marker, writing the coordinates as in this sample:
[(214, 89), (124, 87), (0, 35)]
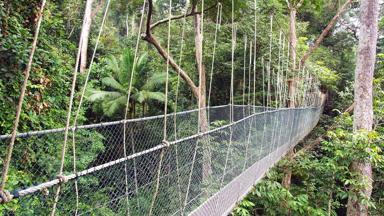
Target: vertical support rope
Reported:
[(217, 29), (176, 105), (68, 119), (269, 63), (165, 115), (279, 83), (81, 101), (287, 77), (244, 70), (250, 102), (200, 31), (254, 84), (27, 71), (263, 84), (234, 35), (254, 57), (126, 112)]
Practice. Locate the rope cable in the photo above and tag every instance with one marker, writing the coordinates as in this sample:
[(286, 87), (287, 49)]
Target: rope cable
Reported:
[(254, 58), (244, 70), (132, 74), (176, 104), (27, 71), (217, 29), (165, 115), (68, 119), (234, 35), (81, 101)]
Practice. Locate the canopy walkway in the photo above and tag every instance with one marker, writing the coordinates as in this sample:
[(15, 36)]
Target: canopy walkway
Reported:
[(197, 162), (239, 155)]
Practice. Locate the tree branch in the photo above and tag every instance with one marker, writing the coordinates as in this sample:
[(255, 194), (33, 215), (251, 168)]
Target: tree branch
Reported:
[(192, 13), (166, 56), (319, 139), (299, 4), (289, 5), (325, 31)]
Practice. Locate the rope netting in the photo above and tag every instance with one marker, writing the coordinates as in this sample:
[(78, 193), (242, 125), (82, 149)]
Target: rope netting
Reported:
[(258, 140), (198, 162)]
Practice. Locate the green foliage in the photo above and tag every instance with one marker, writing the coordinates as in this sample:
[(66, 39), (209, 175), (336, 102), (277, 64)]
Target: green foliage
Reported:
[(113, 99)]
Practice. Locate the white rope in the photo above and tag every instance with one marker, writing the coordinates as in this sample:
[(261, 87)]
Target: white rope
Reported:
[(127, 109), (269, 99), (200, 31), (234, 35), (250, 76), (249, 80), (263, 84), (67, 124), (244, 70), (81, 101), (176, 105), (217, 29), (157, 186), (279, 83), (254, 58)]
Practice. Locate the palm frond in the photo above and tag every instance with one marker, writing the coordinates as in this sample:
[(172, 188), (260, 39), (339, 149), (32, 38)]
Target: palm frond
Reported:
[(114, 106), (155, 80), (113, 83), (99, 95), (113, 64)]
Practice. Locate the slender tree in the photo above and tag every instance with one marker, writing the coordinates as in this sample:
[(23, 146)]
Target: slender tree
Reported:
[(363, 114), (89, 14), (85, 34), (198, 91), (292, 6)]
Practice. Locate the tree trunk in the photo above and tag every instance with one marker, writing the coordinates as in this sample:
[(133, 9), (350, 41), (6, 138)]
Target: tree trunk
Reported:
[(292, 36), (85, 35), (363, 113), (203, 120), (286, 182), (199, 92)]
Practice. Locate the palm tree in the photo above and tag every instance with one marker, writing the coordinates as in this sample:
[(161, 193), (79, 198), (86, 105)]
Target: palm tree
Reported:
[(113, 98)]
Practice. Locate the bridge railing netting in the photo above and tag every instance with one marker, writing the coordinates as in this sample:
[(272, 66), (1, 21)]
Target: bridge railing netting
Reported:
[(192, 173)]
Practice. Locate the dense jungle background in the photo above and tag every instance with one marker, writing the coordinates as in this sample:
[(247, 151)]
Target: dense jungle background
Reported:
[(321, 180)]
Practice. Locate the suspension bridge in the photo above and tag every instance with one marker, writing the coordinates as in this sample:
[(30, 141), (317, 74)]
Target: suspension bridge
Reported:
[(196, 162)]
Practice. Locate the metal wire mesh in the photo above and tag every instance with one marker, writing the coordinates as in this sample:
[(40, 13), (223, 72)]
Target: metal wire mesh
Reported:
[(236, 154)]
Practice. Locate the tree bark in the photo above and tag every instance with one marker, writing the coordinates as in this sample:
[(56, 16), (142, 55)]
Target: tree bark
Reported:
[(203, 120), (325, 32), (85, 35), (363, 113), (199, 92), (286, 181), (292, 36)]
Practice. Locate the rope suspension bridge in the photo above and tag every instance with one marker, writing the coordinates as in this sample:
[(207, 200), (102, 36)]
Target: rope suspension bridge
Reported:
[(196, 162)]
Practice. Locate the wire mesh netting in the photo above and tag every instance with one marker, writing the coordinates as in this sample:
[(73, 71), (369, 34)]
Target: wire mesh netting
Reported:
[(192, 173)]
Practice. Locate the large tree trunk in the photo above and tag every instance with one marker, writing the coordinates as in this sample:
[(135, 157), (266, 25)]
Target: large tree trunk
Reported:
[(363, 113)]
